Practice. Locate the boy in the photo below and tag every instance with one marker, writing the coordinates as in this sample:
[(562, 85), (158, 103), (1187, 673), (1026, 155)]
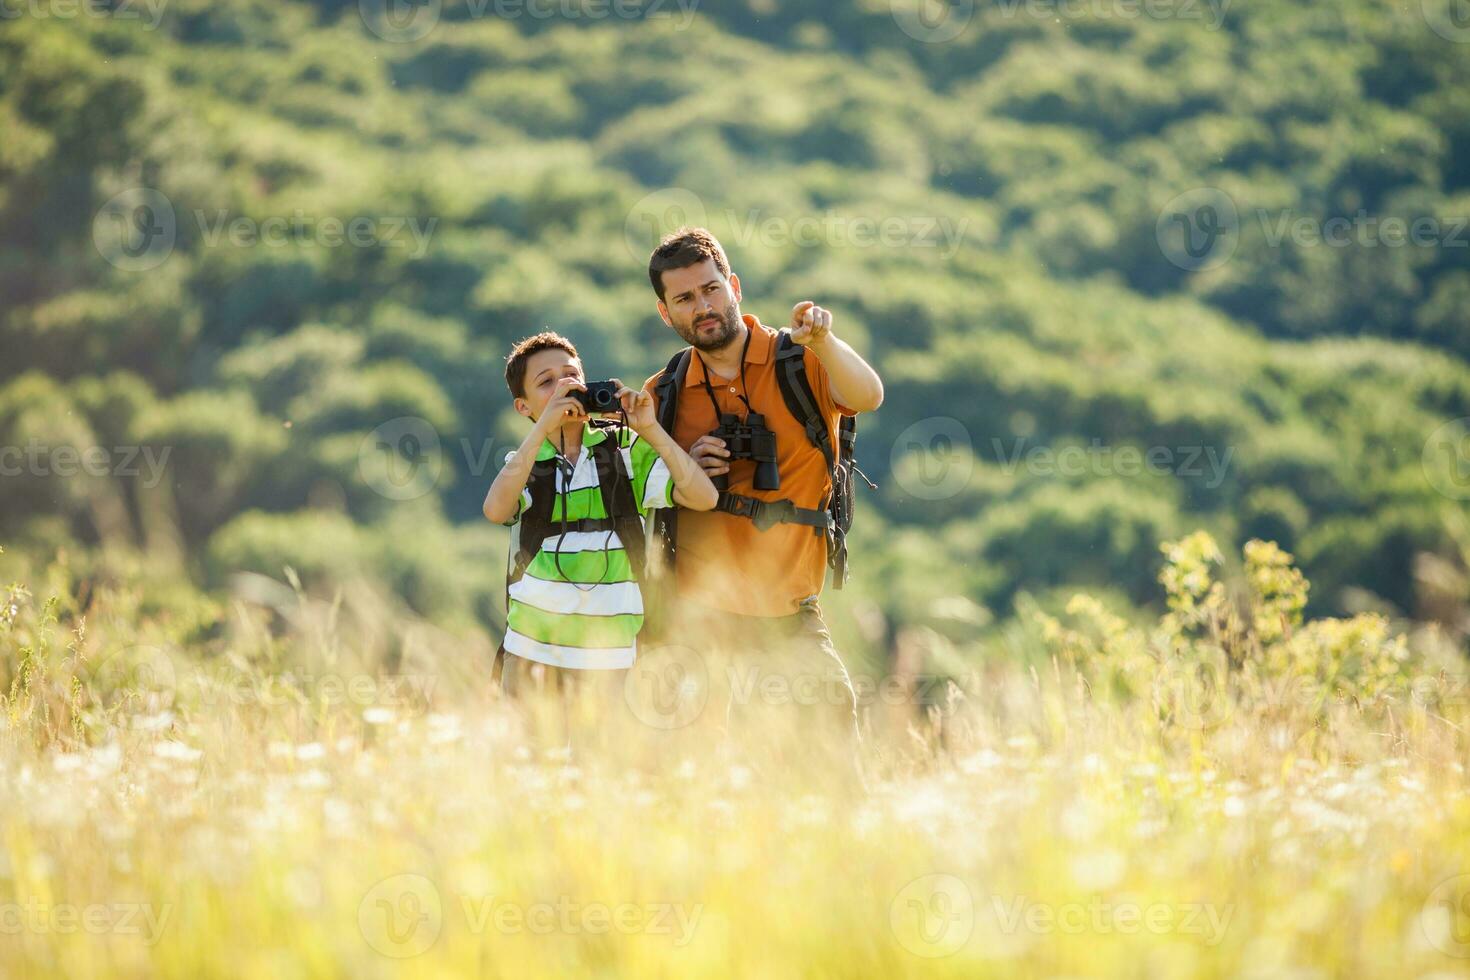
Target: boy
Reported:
[(574, 602)]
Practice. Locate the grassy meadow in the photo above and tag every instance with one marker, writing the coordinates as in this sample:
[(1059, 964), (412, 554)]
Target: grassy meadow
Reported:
[(1230, 791)]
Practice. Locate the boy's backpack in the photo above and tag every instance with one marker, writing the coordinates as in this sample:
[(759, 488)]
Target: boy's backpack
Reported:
[(536, 524), (834, 517)]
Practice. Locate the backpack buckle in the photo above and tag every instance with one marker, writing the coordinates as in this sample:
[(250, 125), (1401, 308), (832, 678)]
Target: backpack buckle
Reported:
[(768, 513), (764, 514)]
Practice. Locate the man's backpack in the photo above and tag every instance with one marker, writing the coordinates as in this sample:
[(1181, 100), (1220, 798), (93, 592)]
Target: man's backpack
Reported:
[(537, 524), (833, 518)]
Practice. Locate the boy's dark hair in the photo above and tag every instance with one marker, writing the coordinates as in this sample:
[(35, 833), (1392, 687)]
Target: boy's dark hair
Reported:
[(515, 361), (685, 247)]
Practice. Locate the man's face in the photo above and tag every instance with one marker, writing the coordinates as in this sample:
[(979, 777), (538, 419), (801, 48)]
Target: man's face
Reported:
[(543, 370), (701, 305)]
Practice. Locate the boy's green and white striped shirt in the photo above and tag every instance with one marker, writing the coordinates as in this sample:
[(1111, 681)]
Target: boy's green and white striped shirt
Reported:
[(565, 620)]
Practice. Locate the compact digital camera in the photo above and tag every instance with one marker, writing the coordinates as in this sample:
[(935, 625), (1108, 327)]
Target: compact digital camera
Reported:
[(600, 396), (749, 439)]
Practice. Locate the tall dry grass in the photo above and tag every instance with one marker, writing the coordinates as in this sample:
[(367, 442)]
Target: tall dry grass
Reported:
[(330, 788)]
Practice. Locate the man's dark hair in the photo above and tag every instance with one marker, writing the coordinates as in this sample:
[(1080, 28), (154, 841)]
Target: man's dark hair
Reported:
[(685, 247), (515, 361)]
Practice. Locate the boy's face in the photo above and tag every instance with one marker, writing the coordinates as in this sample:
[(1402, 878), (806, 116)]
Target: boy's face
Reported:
[(543, 370)]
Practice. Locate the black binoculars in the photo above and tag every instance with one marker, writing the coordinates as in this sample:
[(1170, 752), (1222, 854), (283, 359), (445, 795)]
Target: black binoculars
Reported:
[(749, 439)]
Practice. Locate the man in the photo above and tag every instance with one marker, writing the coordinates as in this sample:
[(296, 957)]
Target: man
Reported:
[(733, 581)]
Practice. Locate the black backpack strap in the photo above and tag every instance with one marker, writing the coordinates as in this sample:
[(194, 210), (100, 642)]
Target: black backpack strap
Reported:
[(535, 524), (801, 401), (766, 514), (666, 391), (666, 388), (616, 486)]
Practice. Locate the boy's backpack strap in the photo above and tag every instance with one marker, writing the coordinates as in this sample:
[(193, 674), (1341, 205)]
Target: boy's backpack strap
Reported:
[(666, 391), (616, 485), (534, 526)]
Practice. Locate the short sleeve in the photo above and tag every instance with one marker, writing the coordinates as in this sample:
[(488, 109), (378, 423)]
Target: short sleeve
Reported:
[(651, 386), (653, 484), (525, 496)]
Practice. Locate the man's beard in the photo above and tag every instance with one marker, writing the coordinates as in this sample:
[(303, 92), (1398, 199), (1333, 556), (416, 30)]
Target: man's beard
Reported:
[(728, 328)]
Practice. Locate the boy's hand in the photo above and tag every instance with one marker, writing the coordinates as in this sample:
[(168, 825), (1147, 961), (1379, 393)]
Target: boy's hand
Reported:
[(563, 407), (638, 406)]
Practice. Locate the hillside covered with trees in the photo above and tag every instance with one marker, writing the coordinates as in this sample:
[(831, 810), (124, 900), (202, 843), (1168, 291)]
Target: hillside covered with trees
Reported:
[(1125, 276)]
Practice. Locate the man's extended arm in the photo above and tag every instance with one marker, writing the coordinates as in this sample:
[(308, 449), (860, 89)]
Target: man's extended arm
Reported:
[(854, 383)]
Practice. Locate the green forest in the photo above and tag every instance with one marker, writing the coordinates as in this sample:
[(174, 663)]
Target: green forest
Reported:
[(1128, 270)]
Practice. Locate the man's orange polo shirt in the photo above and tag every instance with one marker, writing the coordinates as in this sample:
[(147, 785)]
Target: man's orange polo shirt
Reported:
[(724, 562)]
